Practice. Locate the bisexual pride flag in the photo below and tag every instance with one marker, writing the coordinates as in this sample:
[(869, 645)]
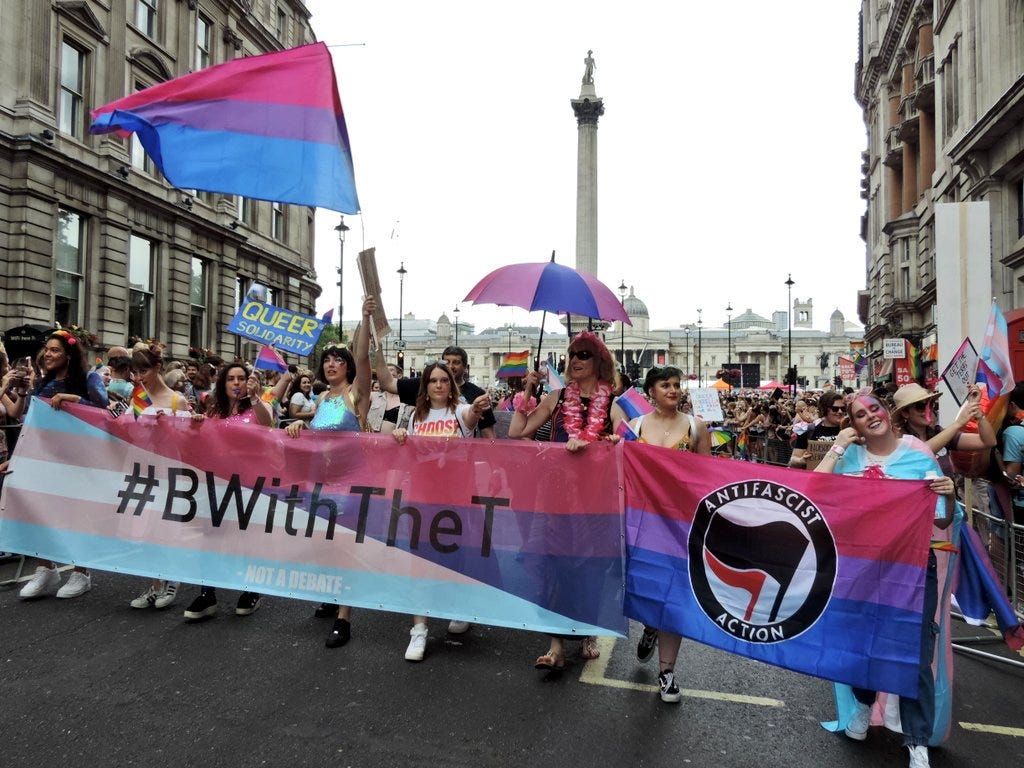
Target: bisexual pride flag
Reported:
[(269, 360), (804, 570), (268, 127), (633, 403)]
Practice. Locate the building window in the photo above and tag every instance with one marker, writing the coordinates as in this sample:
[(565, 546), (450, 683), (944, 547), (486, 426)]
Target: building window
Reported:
[(282, 25), (950, 93), (140, 159), (140, 287), (244, 208), (1020, 207), (69, 268), (277, 221), (72, 90), (146, 12), (197, 299), (204, 34)]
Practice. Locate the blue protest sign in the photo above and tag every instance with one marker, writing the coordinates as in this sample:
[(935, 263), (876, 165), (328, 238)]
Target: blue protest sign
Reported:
[(288, 331)]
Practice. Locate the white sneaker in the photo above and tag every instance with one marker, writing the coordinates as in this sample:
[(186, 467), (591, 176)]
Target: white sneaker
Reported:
[(458, 627), (78, 583), (45, 582), (166, 595), (919, 757), (417, 643), (147, 599), (858, 726)]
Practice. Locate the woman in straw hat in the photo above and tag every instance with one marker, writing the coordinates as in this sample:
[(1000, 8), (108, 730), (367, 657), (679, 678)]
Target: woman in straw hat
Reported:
[(914, 414)]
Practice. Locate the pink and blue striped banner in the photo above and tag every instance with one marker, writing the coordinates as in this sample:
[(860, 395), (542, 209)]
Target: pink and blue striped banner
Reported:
[(815, 573), (520, 534)]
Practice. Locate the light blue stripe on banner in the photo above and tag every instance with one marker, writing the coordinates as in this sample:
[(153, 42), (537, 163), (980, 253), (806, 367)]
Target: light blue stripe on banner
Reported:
[(42, 416), (473, 602)]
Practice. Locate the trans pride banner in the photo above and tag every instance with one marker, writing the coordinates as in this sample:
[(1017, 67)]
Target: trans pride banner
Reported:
[(815, 573), (518, 534)]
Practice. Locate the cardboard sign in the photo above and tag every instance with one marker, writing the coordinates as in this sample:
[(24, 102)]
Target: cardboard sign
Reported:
[(816, 450), (961, 371), (288, 331), (706, 404), (367, 263)]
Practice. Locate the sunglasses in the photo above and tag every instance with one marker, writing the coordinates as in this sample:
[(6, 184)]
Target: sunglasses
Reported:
[(837, 408), (580, 354), (442, 362), (920, 406)]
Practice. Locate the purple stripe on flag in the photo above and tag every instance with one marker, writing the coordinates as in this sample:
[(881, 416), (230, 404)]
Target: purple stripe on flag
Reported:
[(283, 121)]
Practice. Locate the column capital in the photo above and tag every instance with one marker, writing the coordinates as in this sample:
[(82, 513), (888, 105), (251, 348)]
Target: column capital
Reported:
[(587, 110)]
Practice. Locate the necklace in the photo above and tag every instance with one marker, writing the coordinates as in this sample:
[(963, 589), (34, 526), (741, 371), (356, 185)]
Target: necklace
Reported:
[(572, 412), (671, 421)]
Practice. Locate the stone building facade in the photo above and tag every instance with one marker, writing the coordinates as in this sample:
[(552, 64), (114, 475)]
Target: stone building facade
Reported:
[(941, 85), (90, 233)]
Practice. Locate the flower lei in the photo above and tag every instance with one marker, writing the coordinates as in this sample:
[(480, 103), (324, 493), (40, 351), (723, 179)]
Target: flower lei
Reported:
[(572, 412)]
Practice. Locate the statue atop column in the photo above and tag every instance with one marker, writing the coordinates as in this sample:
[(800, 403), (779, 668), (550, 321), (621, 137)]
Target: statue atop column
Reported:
[(588, 71)]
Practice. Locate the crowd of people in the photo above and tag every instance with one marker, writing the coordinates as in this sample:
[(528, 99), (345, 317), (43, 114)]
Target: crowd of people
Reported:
[(882, 433)]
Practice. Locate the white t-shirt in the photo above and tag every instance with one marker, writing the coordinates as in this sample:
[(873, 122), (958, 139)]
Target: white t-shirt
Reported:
[(441, 422), (303, 403)]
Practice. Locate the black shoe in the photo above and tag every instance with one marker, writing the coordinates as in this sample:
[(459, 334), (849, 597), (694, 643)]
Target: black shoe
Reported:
[(340, 634), (326, 611), (645, 648), (203, 606), (248, 602)]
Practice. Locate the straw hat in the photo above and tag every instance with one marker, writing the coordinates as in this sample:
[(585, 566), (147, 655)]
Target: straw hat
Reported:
[(909, 394)]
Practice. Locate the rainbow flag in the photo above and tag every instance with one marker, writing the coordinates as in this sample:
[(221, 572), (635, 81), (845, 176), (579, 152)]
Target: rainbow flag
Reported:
[(633, 403), (914, 361), (514, 365), (269, 360), (268, 127), (741, 445), (140, 400), (994, 370)]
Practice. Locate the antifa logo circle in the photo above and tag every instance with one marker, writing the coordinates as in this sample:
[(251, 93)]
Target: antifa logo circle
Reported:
[(762, 561)]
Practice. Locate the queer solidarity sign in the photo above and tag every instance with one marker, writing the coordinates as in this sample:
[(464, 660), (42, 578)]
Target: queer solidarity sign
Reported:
[(807, 571), (286, 330)]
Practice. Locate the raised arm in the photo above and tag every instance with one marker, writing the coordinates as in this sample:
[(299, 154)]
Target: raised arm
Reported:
[(361, 353), (523, 424)]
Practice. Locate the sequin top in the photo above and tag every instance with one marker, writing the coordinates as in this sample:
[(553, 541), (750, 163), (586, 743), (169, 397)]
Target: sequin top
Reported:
[(333, 413)]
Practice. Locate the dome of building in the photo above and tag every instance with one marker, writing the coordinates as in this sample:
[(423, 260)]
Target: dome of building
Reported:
[(837, 315), (635, 307), (751, 319), (443, 319)]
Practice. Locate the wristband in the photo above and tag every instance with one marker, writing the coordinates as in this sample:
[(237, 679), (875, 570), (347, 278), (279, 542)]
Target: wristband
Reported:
[(837, 450)]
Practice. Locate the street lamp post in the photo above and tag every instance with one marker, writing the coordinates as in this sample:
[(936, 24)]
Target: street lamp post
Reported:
[(622, 330), (700, 327), (687, 331), (728, 344), (401, 341), (789, 325), (341, 229), (509, 329), (456, 313)]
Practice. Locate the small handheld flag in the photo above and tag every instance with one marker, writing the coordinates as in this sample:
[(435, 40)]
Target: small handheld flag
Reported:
[(555, 380), (625, 431), (328, 317), (269, 360), (515, 364), (633, 403), (140, 400)]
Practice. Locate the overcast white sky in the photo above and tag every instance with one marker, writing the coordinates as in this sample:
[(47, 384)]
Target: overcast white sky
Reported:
[(728, 154)]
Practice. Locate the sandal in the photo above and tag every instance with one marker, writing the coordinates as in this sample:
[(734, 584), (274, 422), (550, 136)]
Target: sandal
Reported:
[(589, 649), (550, 660)]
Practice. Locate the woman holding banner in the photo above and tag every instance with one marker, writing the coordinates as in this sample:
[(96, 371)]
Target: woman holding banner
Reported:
[(577, 415), (438, 414), (870, 448), (342, 408), (65, 380), (667, 427)]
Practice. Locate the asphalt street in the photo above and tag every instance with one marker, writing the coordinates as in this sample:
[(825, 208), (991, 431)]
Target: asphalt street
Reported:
[(93, 682)]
